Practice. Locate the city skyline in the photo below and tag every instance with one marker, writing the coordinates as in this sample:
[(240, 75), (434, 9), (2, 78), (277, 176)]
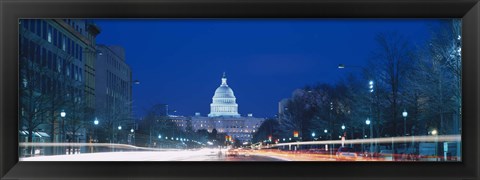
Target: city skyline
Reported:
[(178, 62)]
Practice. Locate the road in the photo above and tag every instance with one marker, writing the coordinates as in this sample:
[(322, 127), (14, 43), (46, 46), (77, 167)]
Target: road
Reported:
[(168, 155)]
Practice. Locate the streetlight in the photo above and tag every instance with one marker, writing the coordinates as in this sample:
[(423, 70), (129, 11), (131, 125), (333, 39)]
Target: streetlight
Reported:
[(63, 114), (131, 137), (368, 122), (95, 122), (343, 127), (160, 136), (434, 133), (119, 128), (404, 114), (313, 134)]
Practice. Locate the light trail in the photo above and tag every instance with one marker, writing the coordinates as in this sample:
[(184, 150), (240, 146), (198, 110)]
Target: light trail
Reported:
[(441, 138), (168, 155), (110, 145)]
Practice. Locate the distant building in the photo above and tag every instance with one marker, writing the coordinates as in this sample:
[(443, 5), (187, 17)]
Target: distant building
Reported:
[(180, 121), (113, 85), (224, 116)]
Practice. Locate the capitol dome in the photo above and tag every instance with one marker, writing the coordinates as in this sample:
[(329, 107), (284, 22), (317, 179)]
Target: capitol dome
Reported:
[(223, 101)]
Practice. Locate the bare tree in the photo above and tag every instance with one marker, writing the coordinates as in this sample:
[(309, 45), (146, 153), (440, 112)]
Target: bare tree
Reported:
[(393, 58), (113, 114), (32, 99)]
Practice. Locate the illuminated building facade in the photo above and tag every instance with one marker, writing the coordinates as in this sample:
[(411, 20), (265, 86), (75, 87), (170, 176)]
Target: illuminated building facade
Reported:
[(224, 116)]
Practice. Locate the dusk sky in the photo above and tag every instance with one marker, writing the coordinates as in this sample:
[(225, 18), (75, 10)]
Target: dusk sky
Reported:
[(180, 62)]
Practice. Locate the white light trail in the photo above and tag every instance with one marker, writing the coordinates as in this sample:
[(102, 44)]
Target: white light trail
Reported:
[(442, 138)]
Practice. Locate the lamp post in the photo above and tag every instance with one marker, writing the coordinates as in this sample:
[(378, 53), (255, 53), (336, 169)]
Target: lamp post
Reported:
[(435, 133), (370, 87), (327, 147), (95, 122), (368, 122), (118, 134), (63, 114), (404, 114), (131, 136), (93, 138)]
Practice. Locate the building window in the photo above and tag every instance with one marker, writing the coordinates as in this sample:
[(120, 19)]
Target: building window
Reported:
[(44, 56), (59, 67), (44, 29), (55, 39), (32, 25), (24, 23), (81, 54), (54, 61), (49, 36), (49, 60), (62, 38), (39, 28)]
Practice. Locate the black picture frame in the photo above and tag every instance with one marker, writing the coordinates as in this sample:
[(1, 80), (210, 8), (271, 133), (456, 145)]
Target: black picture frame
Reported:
[(11, 10)]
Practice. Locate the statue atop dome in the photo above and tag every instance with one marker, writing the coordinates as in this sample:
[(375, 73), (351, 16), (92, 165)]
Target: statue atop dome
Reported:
[(224, 79)]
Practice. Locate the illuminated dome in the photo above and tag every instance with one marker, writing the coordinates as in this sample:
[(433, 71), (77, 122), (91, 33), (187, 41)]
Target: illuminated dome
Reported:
[(223, 101)]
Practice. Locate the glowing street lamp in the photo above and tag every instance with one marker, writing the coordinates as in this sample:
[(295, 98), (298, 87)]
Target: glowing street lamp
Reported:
[(131, 130), (95, 122), (434, 133), (63, 114), (343, 127), (313, 134), (404, 114), (119, 127)]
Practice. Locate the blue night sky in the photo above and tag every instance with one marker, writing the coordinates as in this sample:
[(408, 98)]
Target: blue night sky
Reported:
[(180, 62)]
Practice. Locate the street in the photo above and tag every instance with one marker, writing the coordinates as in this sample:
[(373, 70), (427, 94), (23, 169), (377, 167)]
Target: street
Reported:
[(205, 154)]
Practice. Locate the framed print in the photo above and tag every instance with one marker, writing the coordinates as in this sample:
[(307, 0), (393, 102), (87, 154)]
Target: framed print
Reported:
[(239, 89)]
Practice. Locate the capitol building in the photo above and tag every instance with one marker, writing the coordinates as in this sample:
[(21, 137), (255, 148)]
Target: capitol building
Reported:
[(224, 116)]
